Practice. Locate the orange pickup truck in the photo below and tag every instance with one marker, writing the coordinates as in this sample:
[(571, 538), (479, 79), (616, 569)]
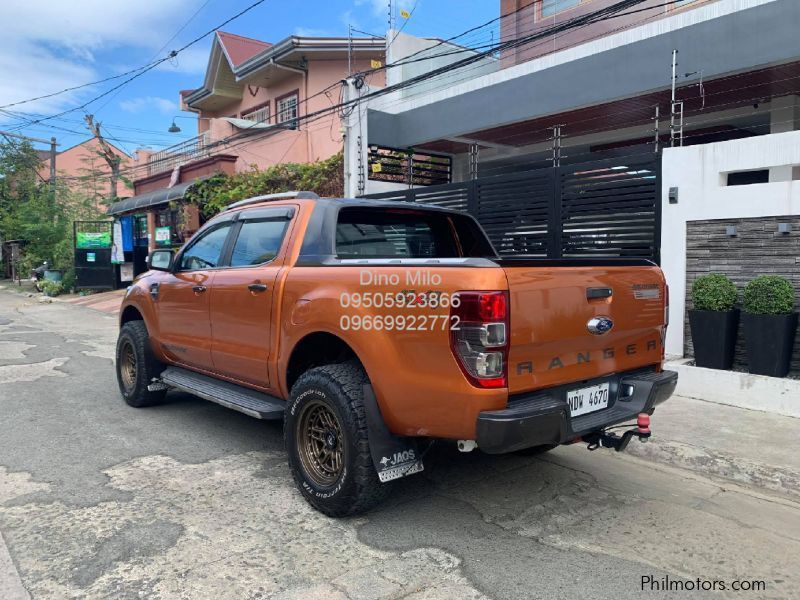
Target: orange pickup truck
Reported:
[(374, 328)]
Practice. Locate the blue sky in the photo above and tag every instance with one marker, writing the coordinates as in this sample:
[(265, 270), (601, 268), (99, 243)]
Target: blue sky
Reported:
[(72, 42)]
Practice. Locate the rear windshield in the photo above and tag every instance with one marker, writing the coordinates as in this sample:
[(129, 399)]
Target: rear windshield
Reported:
[(382, 233)]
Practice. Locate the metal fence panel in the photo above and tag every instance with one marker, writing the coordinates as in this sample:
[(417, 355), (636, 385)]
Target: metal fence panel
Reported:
[(604, 208)]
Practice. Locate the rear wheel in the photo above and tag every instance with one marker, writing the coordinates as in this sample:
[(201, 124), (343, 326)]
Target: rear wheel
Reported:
[(136, 366), (325, 432)]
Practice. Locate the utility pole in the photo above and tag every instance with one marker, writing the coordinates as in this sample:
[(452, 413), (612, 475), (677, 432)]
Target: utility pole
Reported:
[(655, 129), (349, 50), (106, 153), (53, 145), (675, 132)]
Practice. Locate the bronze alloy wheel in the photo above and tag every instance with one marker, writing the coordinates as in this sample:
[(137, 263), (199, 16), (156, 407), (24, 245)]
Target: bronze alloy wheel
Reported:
[(320, 446), (127, 366)]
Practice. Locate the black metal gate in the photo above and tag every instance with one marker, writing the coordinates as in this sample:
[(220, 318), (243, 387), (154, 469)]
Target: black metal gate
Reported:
[(604, 208), (93, 267)]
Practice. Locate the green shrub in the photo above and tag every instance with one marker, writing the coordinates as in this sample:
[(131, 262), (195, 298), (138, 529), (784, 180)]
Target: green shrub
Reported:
[(714, 292), (769, 295), (51, 288), (325, 177)]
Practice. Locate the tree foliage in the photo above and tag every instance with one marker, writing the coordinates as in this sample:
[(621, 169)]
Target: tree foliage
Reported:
[(28, 211), (215, 193)]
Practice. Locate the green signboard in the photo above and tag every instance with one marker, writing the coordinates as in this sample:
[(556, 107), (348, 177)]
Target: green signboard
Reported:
[(163, 237), (93, 239)]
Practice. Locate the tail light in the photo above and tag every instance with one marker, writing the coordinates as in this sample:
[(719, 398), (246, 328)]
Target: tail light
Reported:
[(479, 340), (666, 322)]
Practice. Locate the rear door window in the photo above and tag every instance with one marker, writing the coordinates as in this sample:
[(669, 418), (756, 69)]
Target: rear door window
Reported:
[(381, 233)]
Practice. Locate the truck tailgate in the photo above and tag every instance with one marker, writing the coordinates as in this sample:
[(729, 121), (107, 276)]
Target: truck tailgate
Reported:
[(552, 341)]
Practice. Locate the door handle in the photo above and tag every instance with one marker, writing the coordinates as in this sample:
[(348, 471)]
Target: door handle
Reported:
[(199, 289), (598, 292), (257, 287)]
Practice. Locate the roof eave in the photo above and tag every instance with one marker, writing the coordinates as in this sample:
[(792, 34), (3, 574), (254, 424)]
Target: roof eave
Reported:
[(295, 43)]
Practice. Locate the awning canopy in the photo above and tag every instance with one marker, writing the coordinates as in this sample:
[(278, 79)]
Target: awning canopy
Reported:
[(154, 198), (248, 124)]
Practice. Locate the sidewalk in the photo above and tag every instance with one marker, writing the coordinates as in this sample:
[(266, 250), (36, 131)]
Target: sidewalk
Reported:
[(107, 302), (749, 447)]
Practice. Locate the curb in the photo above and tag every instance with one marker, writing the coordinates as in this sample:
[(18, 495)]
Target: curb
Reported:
[(781, 480), (779, 396)]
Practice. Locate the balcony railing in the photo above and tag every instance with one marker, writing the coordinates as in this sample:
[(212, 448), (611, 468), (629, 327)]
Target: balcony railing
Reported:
[(189, 150)]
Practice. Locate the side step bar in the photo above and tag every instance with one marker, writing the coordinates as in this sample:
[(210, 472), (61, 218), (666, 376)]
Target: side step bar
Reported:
[(229, 395)]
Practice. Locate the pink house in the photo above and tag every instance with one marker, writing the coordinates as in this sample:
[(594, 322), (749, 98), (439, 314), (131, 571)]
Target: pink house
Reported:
[(260, 104), (83, 169)]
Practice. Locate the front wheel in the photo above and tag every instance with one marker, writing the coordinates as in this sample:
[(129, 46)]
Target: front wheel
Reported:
[(136, 366), (325, 432)]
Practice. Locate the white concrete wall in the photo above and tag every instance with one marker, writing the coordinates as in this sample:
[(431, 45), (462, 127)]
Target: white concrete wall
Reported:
[(442, 53), (699, 174)]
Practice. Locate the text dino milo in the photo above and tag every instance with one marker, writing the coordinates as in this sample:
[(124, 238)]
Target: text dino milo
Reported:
[(427, 310)]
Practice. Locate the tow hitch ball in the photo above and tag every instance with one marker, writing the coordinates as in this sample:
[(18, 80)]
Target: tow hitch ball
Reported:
[(605, 439)]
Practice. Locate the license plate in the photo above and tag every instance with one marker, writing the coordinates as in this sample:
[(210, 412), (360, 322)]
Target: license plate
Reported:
[(588, 399)]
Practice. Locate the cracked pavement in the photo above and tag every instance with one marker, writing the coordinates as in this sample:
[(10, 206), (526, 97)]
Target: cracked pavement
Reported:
[(190, 500)]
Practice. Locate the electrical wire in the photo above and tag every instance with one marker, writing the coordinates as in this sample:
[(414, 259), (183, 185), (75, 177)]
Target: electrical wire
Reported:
[(585, 20), (138, 73)]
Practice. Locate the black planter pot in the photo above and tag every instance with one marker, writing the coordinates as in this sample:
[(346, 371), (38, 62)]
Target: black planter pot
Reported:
[(714, 337), (769, 340)]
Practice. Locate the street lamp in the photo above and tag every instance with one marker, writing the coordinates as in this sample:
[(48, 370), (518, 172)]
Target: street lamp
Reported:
[(174, 127)]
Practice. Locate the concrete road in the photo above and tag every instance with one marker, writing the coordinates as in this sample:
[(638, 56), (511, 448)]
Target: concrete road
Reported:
[(189, 500)]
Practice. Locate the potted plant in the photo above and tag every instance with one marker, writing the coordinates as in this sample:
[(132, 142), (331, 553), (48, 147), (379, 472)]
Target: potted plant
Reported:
[(714, 321), (769, 325)]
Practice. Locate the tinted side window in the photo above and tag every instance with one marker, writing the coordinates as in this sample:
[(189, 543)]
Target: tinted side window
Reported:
[(206, 251), (258, 242), (370, 233)]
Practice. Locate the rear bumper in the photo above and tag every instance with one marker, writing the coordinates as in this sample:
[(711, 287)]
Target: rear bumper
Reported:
[(542, 418)]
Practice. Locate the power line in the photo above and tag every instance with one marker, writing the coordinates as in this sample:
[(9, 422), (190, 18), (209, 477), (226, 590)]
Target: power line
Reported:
[(138, 73), (160, 50), (577, 22)]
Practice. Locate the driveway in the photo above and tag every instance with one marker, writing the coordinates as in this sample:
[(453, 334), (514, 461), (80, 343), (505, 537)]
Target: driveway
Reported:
[(190, 500)]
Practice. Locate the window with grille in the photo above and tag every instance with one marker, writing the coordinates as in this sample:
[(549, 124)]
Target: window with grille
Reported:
[(287, 110), (258, 115)]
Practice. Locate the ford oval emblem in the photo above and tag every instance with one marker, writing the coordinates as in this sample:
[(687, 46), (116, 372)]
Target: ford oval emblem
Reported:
[(599, 325)]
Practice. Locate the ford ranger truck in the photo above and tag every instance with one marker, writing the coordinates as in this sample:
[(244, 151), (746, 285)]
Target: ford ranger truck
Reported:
[(375, 328)]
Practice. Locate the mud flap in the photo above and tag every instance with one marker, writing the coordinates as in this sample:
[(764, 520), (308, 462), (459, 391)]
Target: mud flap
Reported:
[(393, 456)]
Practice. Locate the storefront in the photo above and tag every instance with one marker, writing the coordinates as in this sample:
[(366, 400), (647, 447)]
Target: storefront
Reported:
[(155, 219)]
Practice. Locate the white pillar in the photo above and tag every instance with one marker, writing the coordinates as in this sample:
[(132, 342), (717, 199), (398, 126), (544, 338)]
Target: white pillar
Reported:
[(784, 116)]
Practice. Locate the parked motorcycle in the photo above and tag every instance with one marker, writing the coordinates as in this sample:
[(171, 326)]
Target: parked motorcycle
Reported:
[(37, 275)]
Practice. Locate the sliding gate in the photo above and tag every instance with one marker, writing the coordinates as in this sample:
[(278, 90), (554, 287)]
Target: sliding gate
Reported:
[(604, 208)]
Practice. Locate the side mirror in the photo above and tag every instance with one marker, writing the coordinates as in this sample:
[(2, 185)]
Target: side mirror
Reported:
[(160, 260)]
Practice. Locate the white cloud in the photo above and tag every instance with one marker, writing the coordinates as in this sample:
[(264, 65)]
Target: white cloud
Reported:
[(51, 45), (146, 103), (192, 61), (311, 32)]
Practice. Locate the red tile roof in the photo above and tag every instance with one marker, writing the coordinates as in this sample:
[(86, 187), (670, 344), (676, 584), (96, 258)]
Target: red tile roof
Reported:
[(240, 48)]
